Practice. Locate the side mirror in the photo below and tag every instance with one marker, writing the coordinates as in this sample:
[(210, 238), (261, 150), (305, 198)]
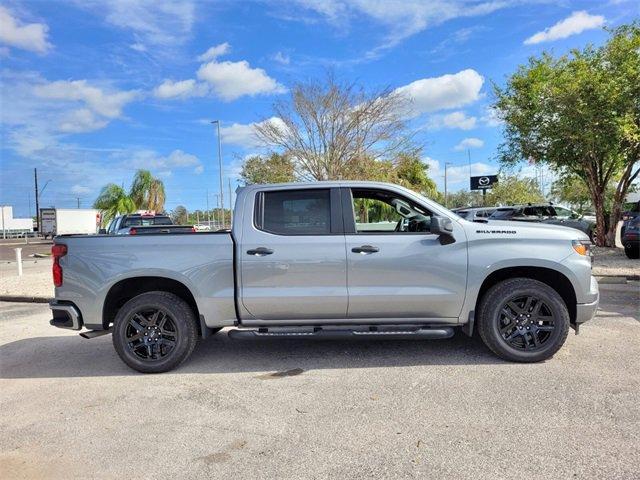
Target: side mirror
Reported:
[(441, 226), (102, 231)]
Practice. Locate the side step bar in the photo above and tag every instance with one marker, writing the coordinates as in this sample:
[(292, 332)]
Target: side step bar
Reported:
[(359, 331)]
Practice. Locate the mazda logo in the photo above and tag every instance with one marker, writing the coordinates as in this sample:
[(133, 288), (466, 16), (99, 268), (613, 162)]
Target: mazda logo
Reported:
[(483, 181)]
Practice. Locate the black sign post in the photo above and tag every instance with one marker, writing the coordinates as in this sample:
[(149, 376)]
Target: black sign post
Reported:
[(484, 183)]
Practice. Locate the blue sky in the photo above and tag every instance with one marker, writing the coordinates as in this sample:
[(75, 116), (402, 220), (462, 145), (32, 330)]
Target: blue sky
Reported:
[(92, 90)]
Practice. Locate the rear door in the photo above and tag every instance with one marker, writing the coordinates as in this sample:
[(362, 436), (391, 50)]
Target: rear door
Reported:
[(292, 256), (397, 269)]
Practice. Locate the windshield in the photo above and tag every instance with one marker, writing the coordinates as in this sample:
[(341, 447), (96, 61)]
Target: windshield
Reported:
[(145, 221), (503, 213)]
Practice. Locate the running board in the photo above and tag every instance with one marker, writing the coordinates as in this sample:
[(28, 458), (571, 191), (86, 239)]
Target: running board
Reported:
[(96, 333), (377, 331)]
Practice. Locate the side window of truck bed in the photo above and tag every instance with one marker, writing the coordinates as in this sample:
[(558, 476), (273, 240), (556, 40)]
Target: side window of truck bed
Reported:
[(294, 212)]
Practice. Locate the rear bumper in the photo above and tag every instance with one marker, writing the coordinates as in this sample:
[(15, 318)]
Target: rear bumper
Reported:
[(65, 315)]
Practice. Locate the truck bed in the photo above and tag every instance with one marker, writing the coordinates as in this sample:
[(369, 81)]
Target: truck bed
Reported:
[(202, 262)]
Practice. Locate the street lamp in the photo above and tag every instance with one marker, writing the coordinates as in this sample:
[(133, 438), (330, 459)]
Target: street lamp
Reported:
[(217, 122)]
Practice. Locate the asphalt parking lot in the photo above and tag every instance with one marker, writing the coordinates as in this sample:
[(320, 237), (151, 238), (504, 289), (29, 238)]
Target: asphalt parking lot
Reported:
[(321, 409)]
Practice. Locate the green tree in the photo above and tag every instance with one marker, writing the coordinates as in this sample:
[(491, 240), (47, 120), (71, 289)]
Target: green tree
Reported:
[(179, 215), (327, 126), (113, 201), (275, 168), (464, 198), (512, 190), (147, 192), (580, 114)]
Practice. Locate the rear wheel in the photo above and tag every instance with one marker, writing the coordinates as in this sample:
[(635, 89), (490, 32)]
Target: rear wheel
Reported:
[(523, 320), (154, 332)]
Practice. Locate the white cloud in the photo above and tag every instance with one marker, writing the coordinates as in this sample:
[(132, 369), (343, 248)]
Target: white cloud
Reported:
[(232, 80), (457, 119), (152, 160), (574, 24), (155, 23), (469, 143), (198, 170), (401, 18), (215, 52), (180, 89), (32, 36), (80, 189), (138, 47), (226, 80), (242, 134), (491, 117), (81, 120), (448, 91), (36, 113), (281, 58), (107, 104)]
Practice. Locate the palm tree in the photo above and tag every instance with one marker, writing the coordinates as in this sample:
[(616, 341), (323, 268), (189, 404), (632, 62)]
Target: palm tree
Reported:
[(112, 201), (147, 192)]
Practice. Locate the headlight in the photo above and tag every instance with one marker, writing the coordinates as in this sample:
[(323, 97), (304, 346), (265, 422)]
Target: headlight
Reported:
[(582, 247)]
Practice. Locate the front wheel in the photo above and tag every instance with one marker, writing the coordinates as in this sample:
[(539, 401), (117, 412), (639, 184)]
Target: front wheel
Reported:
[(155, 332), (523, 320)]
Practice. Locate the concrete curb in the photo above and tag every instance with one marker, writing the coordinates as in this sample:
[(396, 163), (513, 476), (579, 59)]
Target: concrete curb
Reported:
[(611, 279), (24, 299)]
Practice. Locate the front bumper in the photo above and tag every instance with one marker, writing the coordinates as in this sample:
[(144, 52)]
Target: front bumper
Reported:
[(586, 311), (65, 315)]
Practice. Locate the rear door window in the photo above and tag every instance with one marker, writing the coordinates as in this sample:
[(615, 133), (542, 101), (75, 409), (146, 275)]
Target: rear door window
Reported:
[(295, 212)]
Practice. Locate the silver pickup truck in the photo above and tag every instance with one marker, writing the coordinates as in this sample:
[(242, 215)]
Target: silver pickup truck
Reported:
[(335, 259)]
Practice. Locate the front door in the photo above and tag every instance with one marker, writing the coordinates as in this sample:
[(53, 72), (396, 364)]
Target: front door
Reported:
[(292, 256), (395, 267)]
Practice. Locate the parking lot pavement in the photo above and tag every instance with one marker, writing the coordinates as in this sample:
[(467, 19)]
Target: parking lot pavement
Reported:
[(321, 409)]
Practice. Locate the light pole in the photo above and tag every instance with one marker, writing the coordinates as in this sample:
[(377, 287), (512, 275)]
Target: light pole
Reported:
[(217, 122), (446, 164)]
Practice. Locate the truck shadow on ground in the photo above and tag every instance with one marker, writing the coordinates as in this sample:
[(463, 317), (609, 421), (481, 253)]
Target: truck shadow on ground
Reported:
[(72, 356)]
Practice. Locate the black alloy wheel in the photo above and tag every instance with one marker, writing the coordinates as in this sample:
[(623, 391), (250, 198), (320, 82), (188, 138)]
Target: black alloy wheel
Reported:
[(155, 332), (526, 322), (151, 334), (523, 320)]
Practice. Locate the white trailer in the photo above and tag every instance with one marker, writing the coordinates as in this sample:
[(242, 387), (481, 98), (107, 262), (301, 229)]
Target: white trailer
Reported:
[(67, 221)]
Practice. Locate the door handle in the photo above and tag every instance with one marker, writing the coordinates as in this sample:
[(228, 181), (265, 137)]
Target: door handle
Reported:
[(365, 249), (260, 251)]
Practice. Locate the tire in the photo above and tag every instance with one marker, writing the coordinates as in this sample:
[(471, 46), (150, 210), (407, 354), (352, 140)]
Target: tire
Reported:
[(632, 252), (507, 331), (150, 342)]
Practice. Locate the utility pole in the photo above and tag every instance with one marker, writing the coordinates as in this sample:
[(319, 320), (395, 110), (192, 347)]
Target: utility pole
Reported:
[(230, 205), (35, 176), (214, 210), (446, 164), (217, 122), (208, 212)]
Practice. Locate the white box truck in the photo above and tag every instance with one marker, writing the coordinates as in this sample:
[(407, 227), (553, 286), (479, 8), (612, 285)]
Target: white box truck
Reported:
[(67, 221)]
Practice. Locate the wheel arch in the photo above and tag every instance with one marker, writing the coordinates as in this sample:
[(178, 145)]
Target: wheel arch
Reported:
[(554, 278), (124, 290)]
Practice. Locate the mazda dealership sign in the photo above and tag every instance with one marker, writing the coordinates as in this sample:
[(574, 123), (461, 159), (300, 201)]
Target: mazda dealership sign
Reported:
[(483, 182)]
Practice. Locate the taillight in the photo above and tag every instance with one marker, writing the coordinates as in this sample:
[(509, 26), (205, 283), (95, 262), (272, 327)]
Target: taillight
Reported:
[(193, 230), (58, 251), (132, 231)]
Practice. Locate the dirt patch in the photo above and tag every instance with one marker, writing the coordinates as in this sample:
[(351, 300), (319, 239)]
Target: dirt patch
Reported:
[(613, 261)]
